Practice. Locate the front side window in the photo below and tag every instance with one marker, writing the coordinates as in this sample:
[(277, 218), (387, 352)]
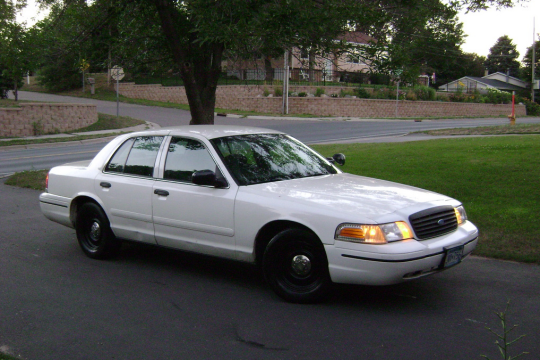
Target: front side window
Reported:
[(254, 159), (136, 156), (184, 157)]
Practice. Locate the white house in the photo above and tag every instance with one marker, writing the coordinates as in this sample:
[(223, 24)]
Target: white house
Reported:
[(496, 80)]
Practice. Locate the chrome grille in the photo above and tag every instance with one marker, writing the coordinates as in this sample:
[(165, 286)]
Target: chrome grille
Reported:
[(433, 222)]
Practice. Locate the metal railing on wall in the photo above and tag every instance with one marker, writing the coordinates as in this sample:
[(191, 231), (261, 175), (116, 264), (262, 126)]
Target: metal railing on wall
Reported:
[(298, 77)]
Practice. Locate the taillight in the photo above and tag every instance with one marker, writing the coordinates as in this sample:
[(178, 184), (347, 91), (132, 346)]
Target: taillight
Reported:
[(47, 183)]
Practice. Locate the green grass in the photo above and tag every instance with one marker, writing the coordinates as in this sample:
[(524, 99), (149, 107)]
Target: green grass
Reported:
[(34, 179), (489, 130), (7, 357), (10, 103), (56, 140), (496, 178), (110, 122)]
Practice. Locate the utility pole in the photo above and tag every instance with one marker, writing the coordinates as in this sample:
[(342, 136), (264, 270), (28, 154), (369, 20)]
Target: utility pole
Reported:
[(286, 83), (533, 61)]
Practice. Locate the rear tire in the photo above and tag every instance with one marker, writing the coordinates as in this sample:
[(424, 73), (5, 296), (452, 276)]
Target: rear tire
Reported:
[(94, 233), (295, 266)]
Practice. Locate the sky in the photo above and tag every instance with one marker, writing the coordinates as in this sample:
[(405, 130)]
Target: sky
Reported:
[(483, 28)]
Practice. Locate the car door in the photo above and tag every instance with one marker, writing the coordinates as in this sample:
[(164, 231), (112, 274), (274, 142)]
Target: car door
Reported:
[(125, 188), (188, 216)]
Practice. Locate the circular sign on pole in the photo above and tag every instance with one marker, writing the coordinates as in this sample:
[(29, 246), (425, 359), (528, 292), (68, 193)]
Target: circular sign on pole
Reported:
[(117, 73)]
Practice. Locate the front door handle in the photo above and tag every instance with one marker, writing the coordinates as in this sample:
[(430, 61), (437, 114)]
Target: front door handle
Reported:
[(105, 184), (161, 192)]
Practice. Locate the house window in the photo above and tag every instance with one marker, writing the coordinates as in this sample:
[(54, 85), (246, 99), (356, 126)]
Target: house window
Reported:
[(304, 54), (353, 58)]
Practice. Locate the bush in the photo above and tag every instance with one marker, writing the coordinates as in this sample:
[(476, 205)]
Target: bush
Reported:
[(498, 97), (343, 93), (362, 93), (384, 93), (302, 94), (457, 97), (319, 92), (60, 76), (266, 92), (278, 91), (425, 93), (533, 109), (411, 95)]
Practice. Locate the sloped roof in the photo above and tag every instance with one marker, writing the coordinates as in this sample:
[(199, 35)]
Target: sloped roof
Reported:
[(497, 84), (356, 37), (498, 73), (501, 85)]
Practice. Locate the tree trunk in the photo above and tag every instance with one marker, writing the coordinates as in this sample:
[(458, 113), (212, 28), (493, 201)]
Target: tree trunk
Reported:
[(311, 66), (199, 63), (269, 72), (15, 91)]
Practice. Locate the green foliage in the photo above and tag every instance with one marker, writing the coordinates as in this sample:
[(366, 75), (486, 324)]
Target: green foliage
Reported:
[(503, 56), (533, 109), (278, 91), (503, 342), (384, 93), (498, 97), (362, 93), (15, 57), (319, 92), (302, 94), (266, 92), (425, 93), (192, 37)]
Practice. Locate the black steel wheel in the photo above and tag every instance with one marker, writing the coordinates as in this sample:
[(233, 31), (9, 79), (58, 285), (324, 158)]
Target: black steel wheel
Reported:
[(295, 266), (94, 233)]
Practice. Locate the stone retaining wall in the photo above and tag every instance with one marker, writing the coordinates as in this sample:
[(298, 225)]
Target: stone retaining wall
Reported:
[(43, 118), (250, 98)]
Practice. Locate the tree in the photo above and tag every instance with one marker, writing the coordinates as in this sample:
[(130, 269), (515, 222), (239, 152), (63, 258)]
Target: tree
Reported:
[(195, 34), (502, 57), (526, 70), (15, 51)]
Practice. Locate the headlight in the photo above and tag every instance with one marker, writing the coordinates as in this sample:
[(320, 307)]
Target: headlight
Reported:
[(373, 234), (460, 214)]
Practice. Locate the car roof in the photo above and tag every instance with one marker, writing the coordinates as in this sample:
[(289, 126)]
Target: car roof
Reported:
[(216, 131)]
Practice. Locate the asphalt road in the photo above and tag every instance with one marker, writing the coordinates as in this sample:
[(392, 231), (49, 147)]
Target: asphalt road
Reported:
[(311, 131), (153, 303)]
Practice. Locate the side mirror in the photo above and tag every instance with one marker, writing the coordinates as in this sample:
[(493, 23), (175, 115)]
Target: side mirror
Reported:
[(337, 159), (208, 178)]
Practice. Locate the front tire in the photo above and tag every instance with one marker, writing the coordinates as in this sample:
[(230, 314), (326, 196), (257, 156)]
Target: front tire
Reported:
[(295, 266), (94, 233)]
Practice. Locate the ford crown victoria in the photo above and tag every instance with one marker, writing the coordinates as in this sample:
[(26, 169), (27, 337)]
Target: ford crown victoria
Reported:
[(258, 196)]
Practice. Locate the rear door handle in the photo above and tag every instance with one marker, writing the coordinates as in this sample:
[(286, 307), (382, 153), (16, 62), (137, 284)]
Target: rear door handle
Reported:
[(161, 192), (105, 184)]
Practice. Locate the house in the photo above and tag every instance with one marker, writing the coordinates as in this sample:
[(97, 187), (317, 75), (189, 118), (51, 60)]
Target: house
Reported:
[(496, 80), (304, 66)]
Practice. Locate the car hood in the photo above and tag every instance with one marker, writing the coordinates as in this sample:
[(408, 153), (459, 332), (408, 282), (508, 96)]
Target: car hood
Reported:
[(351, 194)]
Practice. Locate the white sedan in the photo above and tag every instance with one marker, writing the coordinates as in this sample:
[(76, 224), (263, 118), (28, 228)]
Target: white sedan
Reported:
[(259, 196)]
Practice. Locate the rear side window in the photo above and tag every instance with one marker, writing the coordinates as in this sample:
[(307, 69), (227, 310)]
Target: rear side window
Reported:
[(136, 156), (184, 157)]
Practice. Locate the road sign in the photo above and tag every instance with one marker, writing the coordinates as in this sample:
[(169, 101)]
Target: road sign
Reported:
[(117, 73)]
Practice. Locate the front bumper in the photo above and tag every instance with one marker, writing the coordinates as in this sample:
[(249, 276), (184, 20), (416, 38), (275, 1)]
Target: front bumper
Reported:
[(395, 262)]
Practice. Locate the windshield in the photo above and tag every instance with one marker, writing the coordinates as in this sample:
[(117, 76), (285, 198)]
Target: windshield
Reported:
[(254, 159)]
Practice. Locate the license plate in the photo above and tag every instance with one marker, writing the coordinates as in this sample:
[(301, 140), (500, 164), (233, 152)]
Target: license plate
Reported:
[(452, 256)]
